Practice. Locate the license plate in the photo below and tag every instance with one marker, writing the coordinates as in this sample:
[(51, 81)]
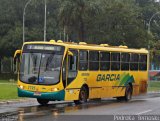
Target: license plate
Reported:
[(32, 88), (37, 94)]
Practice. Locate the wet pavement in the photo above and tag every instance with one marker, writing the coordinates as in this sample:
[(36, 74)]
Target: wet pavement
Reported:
[(94, 110)]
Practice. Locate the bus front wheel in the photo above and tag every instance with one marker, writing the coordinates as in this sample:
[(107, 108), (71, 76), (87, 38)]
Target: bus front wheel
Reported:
[(42, 101), (83, 96)]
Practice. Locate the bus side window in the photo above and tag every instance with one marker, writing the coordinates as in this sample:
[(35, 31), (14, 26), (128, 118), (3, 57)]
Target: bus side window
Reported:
[(93, 60), (134, 62), (105, 61), (125, 58), (143, 62), (83, 60), (72, 66), (115, 61)]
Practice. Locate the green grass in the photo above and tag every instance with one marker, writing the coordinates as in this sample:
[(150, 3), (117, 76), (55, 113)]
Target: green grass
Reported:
[(4, 81), (8, 91), (154, 86)]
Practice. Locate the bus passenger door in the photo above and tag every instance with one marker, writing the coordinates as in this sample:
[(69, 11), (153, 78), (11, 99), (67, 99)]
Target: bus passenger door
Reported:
[(71, 92), (72, 66)]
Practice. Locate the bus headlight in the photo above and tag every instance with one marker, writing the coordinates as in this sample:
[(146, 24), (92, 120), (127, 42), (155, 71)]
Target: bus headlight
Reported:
[(54, 89), (21, 86)]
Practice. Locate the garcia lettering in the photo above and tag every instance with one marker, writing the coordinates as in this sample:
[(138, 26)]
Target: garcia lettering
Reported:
[(108, 77)]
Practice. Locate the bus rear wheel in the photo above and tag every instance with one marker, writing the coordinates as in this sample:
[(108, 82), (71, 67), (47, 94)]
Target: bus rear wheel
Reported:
[(128, 93), (83, 96), (42, 101), (119, 99)]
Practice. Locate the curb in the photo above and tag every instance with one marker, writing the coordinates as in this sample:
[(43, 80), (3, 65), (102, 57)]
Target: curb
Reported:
[(153, 92), (29, 100), (16, 101), (2, 102)]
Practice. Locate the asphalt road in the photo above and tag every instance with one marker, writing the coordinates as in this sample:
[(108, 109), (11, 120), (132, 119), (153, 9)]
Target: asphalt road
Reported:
[(102, 110)]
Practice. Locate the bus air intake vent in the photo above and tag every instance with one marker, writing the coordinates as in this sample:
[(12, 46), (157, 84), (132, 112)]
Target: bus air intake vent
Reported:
[(104, 45), (59, 41), (125, 47), (52, 41), (143, 49), (82, 43)]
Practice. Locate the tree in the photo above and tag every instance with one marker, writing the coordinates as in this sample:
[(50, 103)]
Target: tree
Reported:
[(119, 23), (73, 15), (116, 22)]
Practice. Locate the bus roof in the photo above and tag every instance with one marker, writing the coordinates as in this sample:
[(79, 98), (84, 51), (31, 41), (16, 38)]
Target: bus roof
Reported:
[(85, 46)]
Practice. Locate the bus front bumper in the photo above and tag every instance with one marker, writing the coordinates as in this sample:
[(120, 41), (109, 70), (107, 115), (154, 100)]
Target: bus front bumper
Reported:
[(59, 95)]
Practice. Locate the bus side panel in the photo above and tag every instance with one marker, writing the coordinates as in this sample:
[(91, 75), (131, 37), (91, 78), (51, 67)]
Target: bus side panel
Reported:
[(103, 87), (104, 92), (135, 90), (141, 82), (94, 93), (72, 94), (105, 84), (119, 91), (108, 92), (72, 90)]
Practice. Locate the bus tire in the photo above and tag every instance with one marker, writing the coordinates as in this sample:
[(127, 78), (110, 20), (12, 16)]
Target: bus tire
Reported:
[(42, 101), (83, 96), (77, 102), (128, 93), (119, 99)]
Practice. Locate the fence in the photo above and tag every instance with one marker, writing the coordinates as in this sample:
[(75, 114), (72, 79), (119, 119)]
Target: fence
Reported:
[(7, 65)]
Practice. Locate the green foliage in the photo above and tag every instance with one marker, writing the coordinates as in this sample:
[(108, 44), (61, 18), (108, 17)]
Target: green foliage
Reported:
[(116, 22), (74, 15)]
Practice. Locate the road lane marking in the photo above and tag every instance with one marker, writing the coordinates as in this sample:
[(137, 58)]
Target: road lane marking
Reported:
[(144, 112)]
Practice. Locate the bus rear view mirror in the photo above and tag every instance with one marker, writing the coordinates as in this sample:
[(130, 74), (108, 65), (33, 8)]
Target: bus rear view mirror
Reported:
[(17, 56), (70, 53)]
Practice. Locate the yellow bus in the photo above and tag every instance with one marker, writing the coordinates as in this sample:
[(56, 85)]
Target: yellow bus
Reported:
[(59, 70)]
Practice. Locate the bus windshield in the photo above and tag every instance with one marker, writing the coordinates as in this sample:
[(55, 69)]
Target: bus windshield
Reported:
[(41, 66)]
